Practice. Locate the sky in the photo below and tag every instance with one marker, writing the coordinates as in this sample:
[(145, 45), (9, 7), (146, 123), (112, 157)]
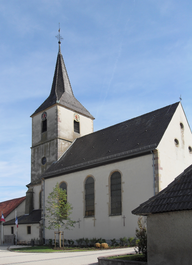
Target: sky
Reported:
[(124, 58)]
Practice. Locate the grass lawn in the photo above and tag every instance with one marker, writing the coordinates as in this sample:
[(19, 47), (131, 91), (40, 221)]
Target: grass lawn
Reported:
[(43, 249), (136, 257)]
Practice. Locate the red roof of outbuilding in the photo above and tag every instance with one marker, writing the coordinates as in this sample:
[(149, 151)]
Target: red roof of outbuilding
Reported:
[(7, 207)]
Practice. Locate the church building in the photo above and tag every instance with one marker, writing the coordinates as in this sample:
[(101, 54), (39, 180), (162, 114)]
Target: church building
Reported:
[(106, 173)]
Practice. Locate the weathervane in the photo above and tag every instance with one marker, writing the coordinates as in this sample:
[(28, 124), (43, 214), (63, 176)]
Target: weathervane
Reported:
[(180, 98), (59, 36)]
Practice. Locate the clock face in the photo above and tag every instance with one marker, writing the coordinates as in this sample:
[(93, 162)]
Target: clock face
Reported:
[(44, 116), (76, 117), (43, 160)]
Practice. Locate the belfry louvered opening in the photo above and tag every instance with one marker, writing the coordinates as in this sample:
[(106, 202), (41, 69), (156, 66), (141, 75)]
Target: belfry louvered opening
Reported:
[(76, 127)]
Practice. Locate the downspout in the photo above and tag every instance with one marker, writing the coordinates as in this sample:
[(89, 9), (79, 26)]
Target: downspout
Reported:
[(153, 161)]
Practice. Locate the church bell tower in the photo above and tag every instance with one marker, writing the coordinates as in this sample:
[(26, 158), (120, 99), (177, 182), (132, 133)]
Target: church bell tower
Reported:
[(59, 120)]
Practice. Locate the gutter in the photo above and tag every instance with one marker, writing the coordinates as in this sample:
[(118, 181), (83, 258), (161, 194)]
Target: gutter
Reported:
[(101, 161)]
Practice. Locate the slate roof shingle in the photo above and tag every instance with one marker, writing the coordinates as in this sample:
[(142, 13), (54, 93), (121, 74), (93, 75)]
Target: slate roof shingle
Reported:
[(33, 218), (7, 207), (127, 139), (61, 91), (177, 196)]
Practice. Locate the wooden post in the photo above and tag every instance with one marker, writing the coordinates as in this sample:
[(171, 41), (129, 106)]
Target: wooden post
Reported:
[(55, 239), (60, 239)]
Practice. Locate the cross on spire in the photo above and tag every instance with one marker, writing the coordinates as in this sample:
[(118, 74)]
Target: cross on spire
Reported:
[(59, 36)]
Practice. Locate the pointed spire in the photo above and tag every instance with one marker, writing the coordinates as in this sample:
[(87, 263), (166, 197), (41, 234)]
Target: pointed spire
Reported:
[(61, 82), (61, 90)]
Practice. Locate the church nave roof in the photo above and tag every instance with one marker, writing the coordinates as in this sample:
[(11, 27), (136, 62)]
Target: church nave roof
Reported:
[(131, 138)]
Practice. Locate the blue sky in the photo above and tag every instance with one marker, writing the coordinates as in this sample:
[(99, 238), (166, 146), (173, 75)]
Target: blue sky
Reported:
[(124, 58)]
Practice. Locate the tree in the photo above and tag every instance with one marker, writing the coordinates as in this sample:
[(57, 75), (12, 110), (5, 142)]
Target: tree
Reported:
[(141, 234), (58, 210)]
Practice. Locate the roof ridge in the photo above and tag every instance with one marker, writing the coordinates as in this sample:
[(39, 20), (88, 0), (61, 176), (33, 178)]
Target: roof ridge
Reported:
[(13, 199), (117, 124)]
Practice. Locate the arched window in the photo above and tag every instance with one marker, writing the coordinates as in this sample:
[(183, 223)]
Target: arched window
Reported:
[(63, 186), (89, 197), (116, 207), (40, 198)]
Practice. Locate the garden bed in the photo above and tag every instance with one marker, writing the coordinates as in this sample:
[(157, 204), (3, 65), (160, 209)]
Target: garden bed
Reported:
[(122, 260)]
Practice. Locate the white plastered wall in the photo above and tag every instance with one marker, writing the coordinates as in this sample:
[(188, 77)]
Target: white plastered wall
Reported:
[(22, 231), (174, 159), (137, 186), (66, 134), (169, 238), (20, 210), (66, 126)]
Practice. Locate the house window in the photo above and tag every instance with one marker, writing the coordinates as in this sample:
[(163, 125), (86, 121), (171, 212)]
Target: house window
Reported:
[(28, 230), (89, 197), (115, 186), (76, 127), (12, 230)]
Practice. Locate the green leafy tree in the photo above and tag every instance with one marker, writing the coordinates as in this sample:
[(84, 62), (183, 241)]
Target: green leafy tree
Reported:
[(58, 210), (141, 235)]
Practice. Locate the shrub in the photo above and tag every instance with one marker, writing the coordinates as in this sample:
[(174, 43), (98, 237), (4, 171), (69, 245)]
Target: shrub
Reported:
[(50, 242), (80, 241), (123, 241), (141, 234), (104, 245), (86, 240), (70, 243), (101, 240), (93, 241), (131, 241), (97, 245), (114, 242)]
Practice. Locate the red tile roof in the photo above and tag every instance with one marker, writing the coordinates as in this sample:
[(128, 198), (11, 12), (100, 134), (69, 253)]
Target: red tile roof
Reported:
[(7, 207)]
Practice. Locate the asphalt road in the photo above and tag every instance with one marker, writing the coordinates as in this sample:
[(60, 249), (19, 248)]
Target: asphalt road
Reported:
[(68, 258)]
